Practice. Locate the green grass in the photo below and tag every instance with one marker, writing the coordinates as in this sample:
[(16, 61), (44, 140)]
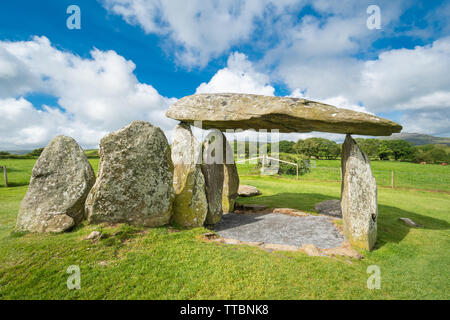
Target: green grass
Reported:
[(19, 170), (406, 174), (163, 263)]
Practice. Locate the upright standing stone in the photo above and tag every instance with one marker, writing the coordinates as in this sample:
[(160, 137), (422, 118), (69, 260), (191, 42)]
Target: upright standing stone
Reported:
[(213, 171), (231, 179), (358, 196), (135, 178), (190, 205), (60, 182)]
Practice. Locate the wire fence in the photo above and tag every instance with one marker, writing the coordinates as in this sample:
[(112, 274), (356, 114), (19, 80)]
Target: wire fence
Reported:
[(384, 178), (13, 174)]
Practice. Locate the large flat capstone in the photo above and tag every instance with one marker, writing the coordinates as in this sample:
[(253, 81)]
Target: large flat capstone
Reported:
[(248, 111)]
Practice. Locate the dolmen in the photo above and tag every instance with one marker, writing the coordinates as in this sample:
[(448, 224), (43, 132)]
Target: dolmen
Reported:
[(224, 111), (144, 181)]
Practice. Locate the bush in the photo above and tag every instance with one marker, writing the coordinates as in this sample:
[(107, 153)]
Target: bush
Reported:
[(289, 169), (36, 152), (431, 154)]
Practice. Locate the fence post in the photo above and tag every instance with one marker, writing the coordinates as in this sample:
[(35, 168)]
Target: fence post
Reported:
[(392, 180), (6, 176), (297, 170), (263, 162)]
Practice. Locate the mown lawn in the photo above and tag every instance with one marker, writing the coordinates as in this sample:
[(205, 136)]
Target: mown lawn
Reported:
[(163, 263), (406, 174)]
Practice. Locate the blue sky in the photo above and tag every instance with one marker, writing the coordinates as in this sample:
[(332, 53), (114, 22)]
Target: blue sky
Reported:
[(133, 58)]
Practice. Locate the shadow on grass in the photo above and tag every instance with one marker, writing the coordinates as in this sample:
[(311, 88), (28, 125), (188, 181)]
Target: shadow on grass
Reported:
[(390, 228), (14, 184)]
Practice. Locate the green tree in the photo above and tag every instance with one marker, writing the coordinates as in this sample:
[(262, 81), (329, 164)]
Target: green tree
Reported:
[(436, 155), (401, 149), (384, 151), (369, 146), (285, 146), (319, 148)]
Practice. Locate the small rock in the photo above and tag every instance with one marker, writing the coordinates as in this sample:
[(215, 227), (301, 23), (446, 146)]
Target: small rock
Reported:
[(103, 263), (409, 222), (230, 241), (345, 250), (290, 212), (94, 235), (248, 191), (254, 243), (281, 247), (209, 236), (311, 250), (329, 208)]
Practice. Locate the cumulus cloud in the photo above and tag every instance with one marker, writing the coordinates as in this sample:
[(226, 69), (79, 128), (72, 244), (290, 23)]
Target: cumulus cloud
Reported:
[(202, 30), (95, 95), (405, 79), (199, 30), (239, 76), (412, 81)]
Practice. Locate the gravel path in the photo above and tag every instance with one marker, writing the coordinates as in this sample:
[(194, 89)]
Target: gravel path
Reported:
[(280, 229)]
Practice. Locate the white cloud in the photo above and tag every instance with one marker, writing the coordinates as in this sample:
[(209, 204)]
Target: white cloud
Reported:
[(98, 95), (337, 101), (408, 80), (198, 29), (238, 77), (428, 121)]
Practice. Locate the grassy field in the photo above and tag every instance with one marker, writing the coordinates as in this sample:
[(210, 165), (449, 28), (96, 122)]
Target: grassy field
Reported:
[(406, 174), (163, 263)]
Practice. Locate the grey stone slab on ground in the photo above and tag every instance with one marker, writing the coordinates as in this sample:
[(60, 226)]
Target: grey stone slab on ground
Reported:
[(280, 229), (329, 208)]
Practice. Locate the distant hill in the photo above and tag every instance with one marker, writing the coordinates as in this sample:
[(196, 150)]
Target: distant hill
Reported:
[(418, 139)]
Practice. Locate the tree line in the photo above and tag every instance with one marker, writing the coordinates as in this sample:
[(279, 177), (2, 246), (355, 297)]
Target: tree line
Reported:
[(31, 155), (376, 149)]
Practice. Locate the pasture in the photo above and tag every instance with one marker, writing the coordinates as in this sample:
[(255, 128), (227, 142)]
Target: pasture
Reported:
[(170, 263)]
